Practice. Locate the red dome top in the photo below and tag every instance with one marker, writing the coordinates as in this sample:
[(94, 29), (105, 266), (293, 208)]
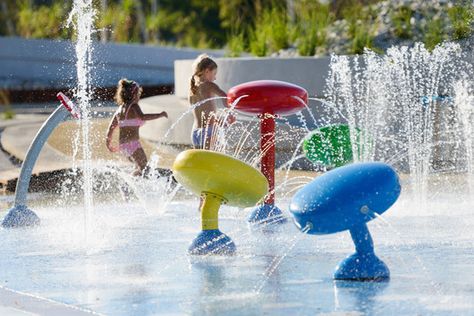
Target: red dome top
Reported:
[(268, 96)]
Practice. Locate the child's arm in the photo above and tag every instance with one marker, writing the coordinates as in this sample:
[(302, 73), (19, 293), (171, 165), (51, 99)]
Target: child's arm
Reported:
[(216, 90), (113, 124), (213, 89), (148, 117)]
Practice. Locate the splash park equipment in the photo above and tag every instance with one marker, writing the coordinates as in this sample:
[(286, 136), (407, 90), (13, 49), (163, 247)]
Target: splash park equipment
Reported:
[(20, 215), (330, 145), (218, 179), (345, 199), (268, 99), (69, 105)]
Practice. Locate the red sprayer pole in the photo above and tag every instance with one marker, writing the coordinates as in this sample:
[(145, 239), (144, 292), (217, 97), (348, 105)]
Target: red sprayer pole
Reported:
[(267, 150)]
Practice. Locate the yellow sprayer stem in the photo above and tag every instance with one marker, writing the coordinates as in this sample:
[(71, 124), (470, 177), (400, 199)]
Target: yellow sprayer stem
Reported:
[(210, 210)]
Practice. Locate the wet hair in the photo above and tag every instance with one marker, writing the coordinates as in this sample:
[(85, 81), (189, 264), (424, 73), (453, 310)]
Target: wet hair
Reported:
[(202, 63), (126, 90)]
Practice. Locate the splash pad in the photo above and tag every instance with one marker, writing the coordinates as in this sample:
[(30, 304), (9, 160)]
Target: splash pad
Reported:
[(134, 264)]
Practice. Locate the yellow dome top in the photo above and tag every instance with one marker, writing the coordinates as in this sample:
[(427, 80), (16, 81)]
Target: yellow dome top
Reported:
[(208, 171)]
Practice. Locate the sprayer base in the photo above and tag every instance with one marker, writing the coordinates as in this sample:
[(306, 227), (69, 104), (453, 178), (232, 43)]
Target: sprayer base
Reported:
[(20, 216), (212, 242), (266, 214), (362, 267)]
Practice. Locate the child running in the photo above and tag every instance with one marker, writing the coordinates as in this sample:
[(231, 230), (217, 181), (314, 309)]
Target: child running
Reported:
[(205, 115), (129, 118)]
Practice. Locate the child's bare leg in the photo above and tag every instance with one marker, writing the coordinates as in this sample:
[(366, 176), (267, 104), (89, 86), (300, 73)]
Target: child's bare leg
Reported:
[(139, 158)]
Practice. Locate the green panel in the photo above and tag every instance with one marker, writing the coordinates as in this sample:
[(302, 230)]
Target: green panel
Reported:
[(330, 145)]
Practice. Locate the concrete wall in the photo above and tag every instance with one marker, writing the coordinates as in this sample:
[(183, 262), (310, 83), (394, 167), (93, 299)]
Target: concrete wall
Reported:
[(36, 64), (307, 72)]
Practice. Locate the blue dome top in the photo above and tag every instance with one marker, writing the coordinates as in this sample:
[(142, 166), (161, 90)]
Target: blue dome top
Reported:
[(345, 197)]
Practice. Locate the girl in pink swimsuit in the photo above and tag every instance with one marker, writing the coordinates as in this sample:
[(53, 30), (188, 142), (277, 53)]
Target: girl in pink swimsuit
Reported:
[(129, 118)]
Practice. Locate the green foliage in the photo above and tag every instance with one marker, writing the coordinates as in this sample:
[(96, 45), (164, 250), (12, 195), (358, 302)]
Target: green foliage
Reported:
[(193, 23), (401, 20), (42, 21), (259, 26), (153, 28), (434, 33), (311, 26), (236, 15), (361, 40), (340, 7), (121, 20), (258, 39), (190, 23), (7, 17), (270, 32), (461, 18), (235, 45), (8, 114), (276, 22), (362, 22)]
